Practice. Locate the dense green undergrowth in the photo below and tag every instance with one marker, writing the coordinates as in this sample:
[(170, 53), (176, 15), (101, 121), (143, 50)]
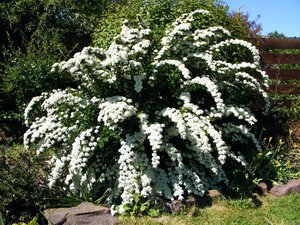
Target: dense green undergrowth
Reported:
[(23, 184)]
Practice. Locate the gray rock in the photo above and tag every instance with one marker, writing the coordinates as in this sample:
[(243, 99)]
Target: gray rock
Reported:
[(84, 213), (292, 186), (190, 201), (176, 206)]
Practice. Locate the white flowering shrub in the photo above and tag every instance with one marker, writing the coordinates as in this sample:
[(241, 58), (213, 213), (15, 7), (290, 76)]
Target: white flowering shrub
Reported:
[(152, 120)]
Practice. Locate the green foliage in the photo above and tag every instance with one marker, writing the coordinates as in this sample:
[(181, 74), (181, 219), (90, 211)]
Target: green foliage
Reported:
[(273, 165), (293, 113), (244, 26), (28, 74), (155, 17), (31, 222), (1, 219), (23, 187), (35, 34), (111, 21), (274, 162), (23, 20), (140, 206), (276, 34), (242, 203)]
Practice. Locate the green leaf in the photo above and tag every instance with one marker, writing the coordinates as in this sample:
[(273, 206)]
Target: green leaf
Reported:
[(137, 198), (98, 201), (135, 209), (127, 207), (143, 208), (33, 221), (154, 212)]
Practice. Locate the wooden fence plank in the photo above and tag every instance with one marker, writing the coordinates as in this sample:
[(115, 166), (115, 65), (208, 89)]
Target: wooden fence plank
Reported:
[(285, 89), (283, 74), (272, 58), (278, 43)]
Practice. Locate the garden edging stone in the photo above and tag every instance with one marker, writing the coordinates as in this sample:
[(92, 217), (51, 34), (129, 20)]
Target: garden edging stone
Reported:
[(293, 186), (85, 213)]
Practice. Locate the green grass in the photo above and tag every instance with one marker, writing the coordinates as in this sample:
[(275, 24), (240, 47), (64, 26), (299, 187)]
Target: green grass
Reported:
[(267, 210)]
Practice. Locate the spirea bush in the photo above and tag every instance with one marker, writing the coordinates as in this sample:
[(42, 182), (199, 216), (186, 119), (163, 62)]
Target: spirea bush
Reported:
[(152, 120)]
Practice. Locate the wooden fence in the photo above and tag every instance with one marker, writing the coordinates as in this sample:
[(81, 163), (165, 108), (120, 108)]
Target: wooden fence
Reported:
[(284, 81)]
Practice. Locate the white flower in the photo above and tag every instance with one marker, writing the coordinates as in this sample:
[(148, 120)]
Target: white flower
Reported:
[(114, 110)]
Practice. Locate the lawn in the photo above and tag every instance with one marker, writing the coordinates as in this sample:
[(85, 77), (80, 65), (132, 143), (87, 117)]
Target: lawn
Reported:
[(266, 210)]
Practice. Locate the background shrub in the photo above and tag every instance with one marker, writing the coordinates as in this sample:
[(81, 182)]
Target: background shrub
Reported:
[(34, 35), (23, 185)]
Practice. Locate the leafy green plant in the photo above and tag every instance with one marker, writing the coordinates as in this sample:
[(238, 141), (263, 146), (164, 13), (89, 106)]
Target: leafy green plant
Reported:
[(154, 212), (31, 222), (294, 110), (139, 207), (242, 203), (27, 74), (1, 219), (273, 164)]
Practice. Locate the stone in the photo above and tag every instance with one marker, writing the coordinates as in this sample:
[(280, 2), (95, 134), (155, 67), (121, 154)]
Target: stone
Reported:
[(85, 213), (263, 187), (176, 206), (190, 201), (214, 193), (292, 186), (56, 216)]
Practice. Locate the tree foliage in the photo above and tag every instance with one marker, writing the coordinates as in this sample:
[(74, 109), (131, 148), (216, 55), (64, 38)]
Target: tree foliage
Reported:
[(159, 14), (35, 34)]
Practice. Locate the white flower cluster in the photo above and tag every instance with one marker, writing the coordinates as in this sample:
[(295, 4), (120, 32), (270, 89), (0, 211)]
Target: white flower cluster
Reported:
[(129, 130), (181, 67), (92, 65), (178, 38), (83, 145), (254, 51), (154, 133), (114, 110), (34, 101)]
